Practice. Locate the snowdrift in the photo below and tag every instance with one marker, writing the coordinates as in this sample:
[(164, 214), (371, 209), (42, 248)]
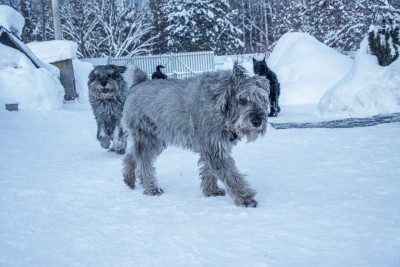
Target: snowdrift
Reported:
[(21, 82), (306, 68), (368, 89)]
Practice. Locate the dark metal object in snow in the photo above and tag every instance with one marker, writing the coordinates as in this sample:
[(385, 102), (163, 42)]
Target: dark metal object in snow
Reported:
[(12, 107), (344, 123)]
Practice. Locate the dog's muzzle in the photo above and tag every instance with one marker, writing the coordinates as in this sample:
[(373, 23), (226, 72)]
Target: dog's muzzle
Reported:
[(257, 118)]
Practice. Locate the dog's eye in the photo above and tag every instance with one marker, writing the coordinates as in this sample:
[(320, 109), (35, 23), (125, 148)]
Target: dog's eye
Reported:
[(109, 75)]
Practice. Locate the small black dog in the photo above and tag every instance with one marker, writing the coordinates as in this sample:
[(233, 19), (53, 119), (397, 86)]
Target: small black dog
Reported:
[(158, 74), (107, 94), (261, 68)]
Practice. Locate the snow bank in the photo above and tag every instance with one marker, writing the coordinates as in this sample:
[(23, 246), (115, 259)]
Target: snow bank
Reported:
[(22, 82), (81, 71), (368, 89), (53, 51), (11, 57), (306, 68), (11, 19)]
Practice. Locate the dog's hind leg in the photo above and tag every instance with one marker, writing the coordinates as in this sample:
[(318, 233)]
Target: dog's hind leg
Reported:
[(209, 185), (129, 166), (146, 148), (225, 169)]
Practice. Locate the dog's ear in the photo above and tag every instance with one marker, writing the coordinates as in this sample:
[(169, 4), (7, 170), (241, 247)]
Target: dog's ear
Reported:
[(254, 60), (265, 56), (121, 69), (238, 70), (222, 96), (92, 74), (238, 75)]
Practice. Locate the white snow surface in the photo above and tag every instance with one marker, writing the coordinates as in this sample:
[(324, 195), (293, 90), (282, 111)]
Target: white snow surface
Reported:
[(327, 197), (55, 50), (11, 19)]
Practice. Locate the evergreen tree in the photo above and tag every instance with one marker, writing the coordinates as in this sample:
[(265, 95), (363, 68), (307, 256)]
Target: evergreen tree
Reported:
[(384, 40), (159, 22), (201, 25)]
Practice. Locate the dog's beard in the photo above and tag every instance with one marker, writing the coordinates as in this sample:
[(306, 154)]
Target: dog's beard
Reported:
[(244, 127)]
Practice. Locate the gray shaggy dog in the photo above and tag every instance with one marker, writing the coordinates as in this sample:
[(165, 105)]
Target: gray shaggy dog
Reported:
[(107, 94), (207, 114)]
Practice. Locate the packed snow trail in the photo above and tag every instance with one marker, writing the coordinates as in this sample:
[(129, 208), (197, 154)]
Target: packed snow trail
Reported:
[(343, 123)]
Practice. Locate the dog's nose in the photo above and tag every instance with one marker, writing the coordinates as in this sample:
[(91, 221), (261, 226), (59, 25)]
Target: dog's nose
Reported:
[(103, 83), (256, 122)]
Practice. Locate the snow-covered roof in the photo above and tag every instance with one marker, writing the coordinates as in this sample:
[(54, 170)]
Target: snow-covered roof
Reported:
[(9, 39), (11, 20), (53, 51)]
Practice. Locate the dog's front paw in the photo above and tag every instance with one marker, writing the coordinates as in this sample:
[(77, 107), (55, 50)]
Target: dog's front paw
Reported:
[(153, 192), (218, 193), (120, 151), (248, 203), (129, 181), (105, 142)]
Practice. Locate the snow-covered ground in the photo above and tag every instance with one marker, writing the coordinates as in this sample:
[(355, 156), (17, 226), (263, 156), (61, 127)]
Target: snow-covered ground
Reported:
[(327, 197)]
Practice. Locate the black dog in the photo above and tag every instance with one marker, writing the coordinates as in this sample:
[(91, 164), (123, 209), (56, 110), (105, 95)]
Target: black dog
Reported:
[(261, 68), (158, 74)]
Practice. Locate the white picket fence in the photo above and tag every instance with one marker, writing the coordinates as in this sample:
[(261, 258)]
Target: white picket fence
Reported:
[(179, 65)]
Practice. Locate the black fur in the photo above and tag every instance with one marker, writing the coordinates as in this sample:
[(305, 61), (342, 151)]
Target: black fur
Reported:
[(158, 74), (261, 68)]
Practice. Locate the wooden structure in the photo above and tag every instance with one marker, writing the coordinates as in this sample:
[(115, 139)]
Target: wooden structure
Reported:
[(67, 78)]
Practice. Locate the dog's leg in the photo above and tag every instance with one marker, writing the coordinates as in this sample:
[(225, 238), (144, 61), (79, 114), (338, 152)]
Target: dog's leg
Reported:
[(129, 166), (272, 100), (224, 167), (209, 185), (102, 137), (119, 140), (146, 148)]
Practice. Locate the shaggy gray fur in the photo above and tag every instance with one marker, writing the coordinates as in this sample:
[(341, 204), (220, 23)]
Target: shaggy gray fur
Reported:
[(107, 94), (207, 114)]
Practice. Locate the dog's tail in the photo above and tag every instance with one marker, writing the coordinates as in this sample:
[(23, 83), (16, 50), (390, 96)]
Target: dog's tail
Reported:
[(139, 76)]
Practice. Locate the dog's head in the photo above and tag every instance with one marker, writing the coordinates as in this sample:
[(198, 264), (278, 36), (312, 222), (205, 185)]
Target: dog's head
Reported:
[(106, 81), (260, 67), (243, 100)]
